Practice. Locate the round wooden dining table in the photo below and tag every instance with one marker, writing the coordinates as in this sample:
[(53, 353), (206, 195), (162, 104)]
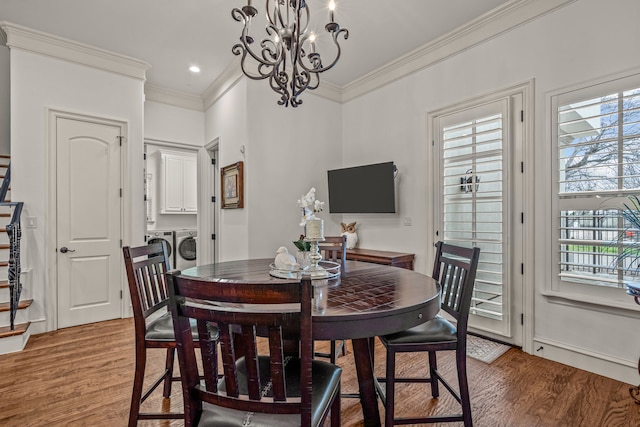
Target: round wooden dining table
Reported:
[(365, 301)]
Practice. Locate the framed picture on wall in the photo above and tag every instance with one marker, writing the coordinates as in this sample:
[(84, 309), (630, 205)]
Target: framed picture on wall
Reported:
[(232, 183)]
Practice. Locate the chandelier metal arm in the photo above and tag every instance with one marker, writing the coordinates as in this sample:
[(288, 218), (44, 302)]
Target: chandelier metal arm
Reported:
[(269, 56), (316, 60)]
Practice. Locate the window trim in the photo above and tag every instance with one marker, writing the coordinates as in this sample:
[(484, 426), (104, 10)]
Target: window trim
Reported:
[(555, 289)]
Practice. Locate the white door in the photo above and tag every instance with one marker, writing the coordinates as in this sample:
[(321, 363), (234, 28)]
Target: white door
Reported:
[(478, 158), (88, 221)]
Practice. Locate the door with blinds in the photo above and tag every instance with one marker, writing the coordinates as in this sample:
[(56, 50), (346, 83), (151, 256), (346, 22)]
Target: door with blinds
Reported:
[(478, 187)]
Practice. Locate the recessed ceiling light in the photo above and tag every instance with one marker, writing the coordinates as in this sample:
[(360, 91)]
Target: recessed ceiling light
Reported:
[(194, 69)]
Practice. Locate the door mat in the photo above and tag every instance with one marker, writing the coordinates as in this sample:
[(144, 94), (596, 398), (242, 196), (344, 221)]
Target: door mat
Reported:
[(484, 350)]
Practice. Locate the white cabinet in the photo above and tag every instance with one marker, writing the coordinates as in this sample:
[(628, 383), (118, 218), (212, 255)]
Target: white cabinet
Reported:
[(179, 183)]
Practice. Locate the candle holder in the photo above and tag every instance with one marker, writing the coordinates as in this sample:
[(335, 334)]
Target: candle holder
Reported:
[(315, 270)]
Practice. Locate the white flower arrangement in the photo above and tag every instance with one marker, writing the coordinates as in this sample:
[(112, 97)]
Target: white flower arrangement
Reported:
[(310, 206)]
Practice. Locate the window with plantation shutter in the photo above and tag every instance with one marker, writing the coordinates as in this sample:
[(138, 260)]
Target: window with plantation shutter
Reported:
[(473, 199), (596, 131), (478, 180)]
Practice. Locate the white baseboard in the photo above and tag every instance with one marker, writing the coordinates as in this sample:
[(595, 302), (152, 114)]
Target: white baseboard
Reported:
[(618, 369)]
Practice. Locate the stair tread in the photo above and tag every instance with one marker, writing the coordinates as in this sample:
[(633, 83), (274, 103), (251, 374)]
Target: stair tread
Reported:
[(21, 305), (4, 263), (5, 156), (20, 329), (4, 245), (4, 283)]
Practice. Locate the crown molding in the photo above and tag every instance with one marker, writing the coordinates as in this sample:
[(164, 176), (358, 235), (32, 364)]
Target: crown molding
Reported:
[(31, 40), (328, 91), (221, 85), (3, 35), (493, 23), (173, 97)]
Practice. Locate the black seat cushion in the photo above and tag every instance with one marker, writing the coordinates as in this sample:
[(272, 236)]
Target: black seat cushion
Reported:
[(437, 329), (325, 379)]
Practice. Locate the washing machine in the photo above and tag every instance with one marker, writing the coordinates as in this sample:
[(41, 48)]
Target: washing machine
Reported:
[(154, 236), (185, 248)]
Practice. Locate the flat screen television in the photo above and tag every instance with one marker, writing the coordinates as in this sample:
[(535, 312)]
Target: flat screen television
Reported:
[(362, 189)]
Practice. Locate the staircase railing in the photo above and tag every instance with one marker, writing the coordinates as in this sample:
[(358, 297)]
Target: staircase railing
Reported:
[(15, 233)]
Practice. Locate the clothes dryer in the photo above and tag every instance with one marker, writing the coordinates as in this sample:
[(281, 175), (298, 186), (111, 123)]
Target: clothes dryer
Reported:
[(185, 248), (154, 236)]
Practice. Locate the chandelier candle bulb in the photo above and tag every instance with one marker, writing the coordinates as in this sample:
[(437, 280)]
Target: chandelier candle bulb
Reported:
[(312, 40), (332, 8)]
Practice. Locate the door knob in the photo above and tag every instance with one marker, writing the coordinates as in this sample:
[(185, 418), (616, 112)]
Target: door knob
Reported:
[(64, 250)]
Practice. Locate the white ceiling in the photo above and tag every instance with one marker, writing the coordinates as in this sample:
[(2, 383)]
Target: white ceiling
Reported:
[(171, 35)]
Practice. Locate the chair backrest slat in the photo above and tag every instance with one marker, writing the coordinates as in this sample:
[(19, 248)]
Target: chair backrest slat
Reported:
[(146, 267), (245, 317), (334, 248), (455, 269)]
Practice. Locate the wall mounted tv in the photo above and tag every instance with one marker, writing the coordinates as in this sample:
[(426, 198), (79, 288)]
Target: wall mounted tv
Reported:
[(362, 189)]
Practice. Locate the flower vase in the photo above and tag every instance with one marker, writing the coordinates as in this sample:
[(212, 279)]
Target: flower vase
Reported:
[(302, 258)]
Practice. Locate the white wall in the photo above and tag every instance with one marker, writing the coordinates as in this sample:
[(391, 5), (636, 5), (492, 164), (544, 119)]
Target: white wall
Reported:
[(286, 152), (227, 121), (577, 43), (4, 100), (40, 83), (389, 125), (290, 151), (168, 123)]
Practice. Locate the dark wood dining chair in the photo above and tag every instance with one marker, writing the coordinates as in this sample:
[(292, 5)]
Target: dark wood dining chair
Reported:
[(263, 386), (146, 267), (334, 248), (455, 269)]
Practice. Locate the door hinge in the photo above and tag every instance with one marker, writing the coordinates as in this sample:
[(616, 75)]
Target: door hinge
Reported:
[(522, 115), (145, 197), (144, 156), (120, 138), (521, 167), (120, 242), (213, 162), (120, 294), (213, 237), (522, 217), (121, 192), (213, 199), (433, 143), (522, 268), (522, 318)]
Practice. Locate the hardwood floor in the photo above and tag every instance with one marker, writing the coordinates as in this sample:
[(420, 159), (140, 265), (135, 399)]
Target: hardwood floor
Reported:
[(82, 376)]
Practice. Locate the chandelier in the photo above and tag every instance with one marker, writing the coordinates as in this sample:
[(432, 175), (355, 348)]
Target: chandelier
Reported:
[(287, 55)]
